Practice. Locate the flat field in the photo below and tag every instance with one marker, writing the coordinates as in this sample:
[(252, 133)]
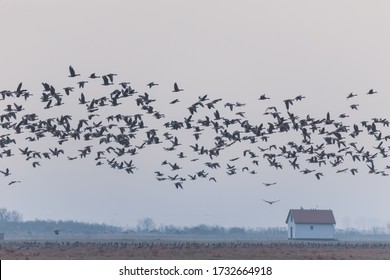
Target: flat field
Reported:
[(201, 250)]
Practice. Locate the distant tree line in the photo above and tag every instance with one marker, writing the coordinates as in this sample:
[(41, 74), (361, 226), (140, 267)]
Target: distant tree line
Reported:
[(12, 222), (350, 232), (147, 225)]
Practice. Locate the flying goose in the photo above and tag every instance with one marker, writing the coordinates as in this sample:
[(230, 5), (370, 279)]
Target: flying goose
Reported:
[(72, 73), (176, 88), (14, 182), (270, 202), (6, 172)]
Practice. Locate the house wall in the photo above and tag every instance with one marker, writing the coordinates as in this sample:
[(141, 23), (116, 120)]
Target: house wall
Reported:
[(312, 231), (290, 228)]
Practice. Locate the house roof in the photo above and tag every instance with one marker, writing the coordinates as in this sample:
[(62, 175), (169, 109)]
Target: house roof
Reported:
[(311, 216)]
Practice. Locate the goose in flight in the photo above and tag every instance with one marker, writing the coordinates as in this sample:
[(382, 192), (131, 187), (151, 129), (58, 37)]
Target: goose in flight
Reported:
[(192, 177), (6, 172), (288, 102), (371, 91), (72, 73), (68, 90), (342, 170), (82, 84), (270, 202), (178, 185), (152, 84), (269, 184), (174, 101), (230, 105), (106, 81), (111, 76), (318, 175), (93, 76), (82, 99), (263, 97), (13, 182), (175, 166), (354, 171), (306, 171), (176, 88), (354, 106)]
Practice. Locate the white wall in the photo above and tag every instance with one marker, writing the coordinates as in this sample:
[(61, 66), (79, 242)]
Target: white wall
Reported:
[(314, 231)]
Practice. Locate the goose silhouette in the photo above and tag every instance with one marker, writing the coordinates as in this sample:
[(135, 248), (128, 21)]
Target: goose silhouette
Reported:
[(72, 73), (176, 88), (270, 202)]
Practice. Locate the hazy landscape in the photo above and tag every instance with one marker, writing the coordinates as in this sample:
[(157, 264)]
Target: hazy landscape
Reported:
[(77, 240)]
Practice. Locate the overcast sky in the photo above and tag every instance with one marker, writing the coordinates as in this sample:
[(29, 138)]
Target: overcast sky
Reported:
[(234, 50)]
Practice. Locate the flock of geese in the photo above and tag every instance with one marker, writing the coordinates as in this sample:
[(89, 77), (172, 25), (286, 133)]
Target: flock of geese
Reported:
[(198, 141)]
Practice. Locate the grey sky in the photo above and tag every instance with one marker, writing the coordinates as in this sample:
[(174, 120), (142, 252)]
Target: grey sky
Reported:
[(235, 50)]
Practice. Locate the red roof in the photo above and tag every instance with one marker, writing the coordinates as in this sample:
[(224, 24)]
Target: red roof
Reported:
[(311, 216)]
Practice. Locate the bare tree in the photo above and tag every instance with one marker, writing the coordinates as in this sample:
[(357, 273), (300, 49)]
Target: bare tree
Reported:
[(10, 216), (146, 225)]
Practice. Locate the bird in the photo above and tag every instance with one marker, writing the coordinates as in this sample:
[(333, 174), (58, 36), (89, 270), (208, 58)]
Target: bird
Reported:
[(68, 90), (269, 184), (354, 106), (152, 84), (174, 101), (106, 81), (111, 76), (263, 97), (288, 102), (270, 202), (14, 182), (93, 76), (82, 99), (176, 88), (126, 86), (354, 171), (6, 172), (230, 105), (57, 231), (371, 91), (307, 171), (318, 175), (72, 73), (82, 84), (342, 170)]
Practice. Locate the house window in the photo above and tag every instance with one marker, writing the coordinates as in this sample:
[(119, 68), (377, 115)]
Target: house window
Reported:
[(311, 227)]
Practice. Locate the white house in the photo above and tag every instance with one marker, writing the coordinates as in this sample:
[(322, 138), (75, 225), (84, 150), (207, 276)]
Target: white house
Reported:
[(310, 224)]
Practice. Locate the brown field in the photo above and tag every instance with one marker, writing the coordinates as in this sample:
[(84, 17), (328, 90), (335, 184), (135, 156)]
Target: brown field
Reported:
[(201, 250)]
